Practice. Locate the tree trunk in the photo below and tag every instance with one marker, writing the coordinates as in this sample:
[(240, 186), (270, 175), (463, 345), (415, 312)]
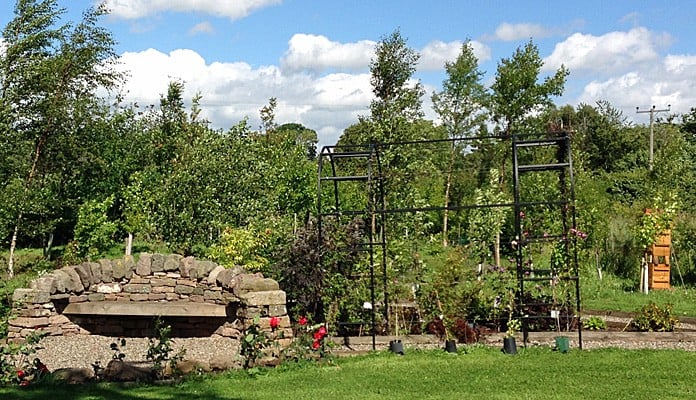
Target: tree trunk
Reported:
[(13, 246), (447, 194), (129, 244), (30, 178), (496, 250), (49, 246)]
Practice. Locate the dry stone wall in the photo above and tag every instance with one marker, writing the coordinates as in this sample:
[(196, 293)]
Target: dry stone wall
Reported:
[(122, 297)]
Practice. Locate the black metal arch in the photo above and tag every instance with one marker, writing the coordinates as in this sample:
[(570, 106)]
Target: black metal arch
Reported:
[(372, 179)]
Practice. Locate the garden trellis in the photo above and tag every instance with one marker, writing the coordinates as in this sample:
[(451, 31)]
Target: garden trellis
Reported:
[(535, 183)]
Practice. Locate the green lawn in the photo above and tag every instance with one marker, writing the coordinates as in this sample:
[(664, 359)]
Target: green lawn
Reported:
[(614, 294), (484, 373)]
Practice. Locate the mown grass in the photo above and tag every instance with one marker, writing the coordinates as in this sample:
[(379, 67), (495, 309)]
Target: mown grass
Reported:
[(535, 373), (614, 294)]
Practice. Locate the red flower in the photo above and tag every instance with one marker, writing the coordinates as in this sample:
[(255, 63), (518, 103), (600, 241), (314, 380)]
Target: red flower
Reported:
[(316, 345), (320, 333), (275, 321), (20, 374), (302, 321), (24, 383)]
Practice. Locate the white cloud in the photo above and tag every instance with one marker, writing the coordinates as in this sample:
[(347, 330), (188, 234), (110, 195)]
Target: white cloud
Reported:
[(511, 32), (236, 9), (203, 27), (318, 53), (436, 53), (232, 91), (670, 82), (611, 52)]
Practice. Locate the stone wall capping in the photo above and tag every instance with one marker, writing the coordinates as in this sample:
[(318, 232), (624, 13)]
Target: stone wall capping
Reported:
[(90, 298)]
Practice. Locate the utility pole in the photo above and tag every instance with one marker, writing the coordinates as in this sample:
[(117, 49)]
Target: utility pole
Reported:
[(652, 112)]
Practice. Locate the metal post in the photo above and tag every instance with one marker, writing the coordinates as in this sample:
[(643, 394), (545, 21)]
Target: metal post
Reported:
[(652, 111)]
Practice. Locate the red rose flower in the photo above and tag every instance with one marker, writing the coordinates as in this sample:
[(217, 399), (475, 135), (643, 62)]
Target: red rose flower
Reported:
[(20, 374), (24, 383), (302, 321), (322, 331), (316, 344), (275, 321)]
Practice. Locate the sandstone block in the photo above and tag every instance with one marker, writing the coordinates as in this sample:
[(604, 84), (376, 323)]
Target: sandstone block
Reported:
[(35, 312), (156, 296), (226, 277), (27, 322), (212, 277), (77, 299), (95, 297), (44, 284), (204, 268), (186, 282), (137, 288), (209, 295), (171, 263), (144, 265), (139, 297), (246, 283), (58, 320), (277, 310), (157, 262), (107, 270), (183, 289), (61, 281), (163, 282), (109, 288), (96, 271), (85, 273), (75, 281), (185, 266), (31, 296), (73, 375), (122, 270), (267, 298)]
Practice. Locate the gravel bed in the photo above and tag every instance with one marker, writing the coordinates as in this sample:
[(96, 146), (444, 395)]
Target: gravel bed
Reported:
[(81, 351)]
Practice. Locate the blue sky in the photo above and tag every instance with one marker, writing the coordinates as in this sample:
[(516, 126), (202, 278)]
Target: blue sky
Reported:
[(313, 56)]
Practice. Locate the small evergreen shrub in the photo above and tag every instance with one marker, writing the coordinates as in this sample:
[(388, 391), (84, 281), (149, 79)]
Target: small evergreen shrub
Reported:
[(653, 318)]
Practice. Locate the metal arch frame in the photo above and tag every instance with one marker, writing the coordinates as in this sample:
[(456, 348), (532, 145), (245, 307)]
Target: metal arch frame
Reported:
[(377, 210)]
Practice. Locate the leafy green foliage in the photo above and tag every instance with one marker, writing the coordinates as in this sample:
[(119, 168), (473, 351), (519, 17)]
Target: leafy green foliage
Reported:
[(254, 341), (516, 92), (241, 247), (95, 231), (653, 318), (16, 364), (594, 323), (159, 350)]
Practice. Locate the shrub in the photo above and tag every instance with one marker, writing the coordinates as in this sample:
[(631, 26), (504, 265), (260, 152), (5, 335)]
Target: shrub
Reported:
[(16, 365), (160, 348), (653, 318), (594, 323)]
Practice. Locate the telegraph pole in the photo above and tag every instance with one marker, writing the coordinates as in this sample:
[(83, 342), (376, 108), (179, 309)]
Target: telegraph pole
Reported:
[(652, 112)]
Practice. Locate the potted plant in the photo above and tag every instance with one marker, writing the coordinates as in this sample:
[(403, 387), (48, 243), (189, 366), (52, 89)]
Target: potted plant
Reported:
[(509, 344)]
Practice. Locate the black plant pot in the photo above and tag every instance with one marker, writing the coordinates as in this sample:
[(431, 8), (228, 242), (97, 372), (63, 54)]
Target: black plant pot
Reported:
[(395, 346), (450, 346), (509, 345)]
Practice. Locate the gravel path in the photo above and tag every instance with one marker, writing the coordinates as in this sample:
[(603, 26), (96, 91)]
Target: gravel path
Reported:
[(83, 350)]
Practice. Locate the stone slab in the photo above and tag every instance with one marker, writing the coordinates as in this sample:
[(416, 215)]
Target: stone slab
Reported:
[(179, 309)]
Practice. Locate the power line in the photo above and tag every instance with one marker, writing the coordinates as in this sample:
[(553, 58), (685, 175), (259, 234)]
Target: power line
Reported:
[(652, 111)]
